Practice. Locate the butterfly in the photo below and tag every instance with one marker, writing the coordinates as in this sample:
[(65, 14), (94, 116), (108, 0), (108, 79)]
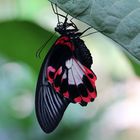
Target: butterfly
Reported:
[(65, 77)]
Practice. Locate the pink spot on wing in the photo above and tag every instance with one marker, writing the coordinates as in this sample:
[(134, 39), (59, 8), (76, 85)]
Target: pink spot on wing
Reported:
[(66, 94), (65, 41), (92, 94), (50, 69), (86, 99), (90, 72), (57, 89), (62, 40), (59, 71), (77, 99)]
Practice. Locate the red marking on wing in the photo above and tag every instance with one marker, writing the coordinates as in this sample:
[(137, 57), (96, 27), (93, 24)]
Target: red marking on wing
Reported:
[(64, 40), (89, 72), (66, 94), (78, 99), (57, 89), (58, 72), (92, 80), (92, 94), (86, 99), (49, 70)]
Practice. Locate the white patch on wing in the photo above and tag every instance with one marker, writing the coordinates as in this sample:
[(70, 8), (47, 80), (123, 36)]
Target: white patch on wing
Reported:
[(75, 72), (69, 63), (76, 76), (80, 65), (78, 68), (70, 78), (64, 75)]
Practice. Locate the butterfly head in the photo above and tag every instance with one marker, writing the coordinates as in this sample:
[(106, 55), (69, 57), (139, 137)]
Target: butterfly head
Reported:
[(67, 28), (60, 28)]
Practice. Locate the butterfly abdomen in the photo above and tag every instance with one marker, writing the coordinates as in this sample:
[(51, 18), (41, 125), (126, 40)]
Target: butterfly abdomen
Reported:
[(82, 53)]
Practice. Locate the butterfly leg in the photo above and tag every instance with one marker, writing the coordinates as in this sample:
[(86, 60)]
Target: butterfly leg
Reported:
[(56, 12)]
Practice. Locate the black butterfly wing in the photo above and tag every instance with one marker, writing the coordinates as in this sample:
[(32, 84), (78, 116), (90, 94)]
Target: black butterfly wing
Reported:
[(49, 105)]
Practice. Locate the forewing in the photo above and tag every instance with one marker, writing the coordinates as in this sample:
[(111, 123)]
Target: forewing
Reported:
[(50, 106)]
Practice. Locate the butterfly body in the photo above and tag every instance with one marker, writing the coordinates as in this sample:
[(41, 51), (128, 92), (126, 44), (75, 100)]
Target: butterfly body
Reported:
[(65, 77)]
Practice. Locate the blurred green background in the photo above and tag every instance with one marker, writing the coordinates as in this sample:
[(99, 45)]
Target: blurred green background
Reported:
[(115, 115)]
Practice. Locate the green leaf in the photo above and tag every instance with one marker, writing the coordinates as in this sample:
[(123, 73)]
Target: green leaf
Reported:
[(117, 19), (20, 40)]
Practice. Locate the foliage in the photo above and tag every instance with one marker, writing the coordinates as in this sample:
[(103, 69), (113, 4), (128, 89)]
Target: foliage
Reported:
[(20, 41), (119, 20)]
